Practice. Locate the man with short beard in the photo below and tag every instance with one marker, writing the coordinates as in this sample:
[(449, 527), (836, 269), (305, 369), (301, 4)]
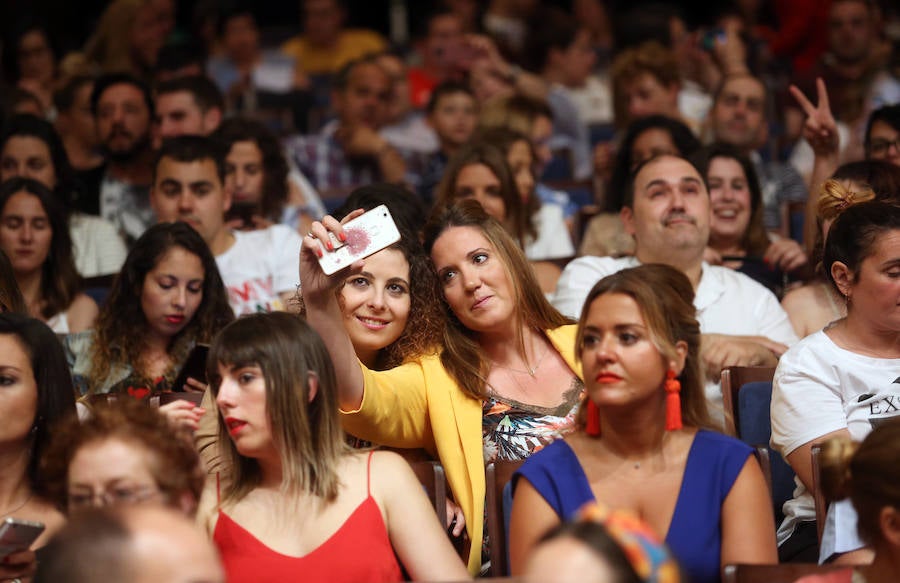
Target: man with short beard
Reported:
[(123, 109)]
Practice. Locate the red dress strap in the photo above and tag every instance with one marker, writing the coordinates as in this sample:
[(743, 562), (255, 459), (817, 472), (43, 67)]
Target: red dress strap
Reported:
[(369, 475)]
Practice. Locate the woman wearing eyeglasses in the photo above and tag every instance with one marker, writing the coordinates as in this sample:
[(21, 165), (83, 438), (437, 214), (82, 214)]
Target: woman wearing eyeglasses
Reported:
[(126, 453)]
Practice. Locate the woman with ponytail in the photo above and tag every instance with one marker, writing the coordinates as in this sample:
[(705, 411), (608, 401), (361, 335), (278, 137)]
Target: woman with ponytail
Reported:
[(867, 473), (643, 436)]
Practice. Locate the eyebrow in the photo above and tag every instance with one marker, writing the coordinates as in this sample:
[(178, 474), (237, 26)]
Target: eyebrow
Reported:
[(5, 367), (689, 179)]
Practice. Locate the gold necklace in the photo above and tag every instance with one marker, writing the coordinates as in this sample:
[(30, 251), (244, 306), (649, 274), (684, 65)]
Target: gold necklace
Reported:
[(530, 371)]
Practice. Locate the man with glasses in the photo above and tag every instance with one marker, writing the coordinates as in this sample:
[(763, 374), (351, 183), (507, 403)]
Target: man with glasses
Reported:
[(883, 135)]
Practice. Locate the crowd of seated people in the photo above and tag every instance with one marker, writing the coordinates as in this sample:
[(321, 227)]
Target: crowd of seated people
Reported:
[(602, 209)]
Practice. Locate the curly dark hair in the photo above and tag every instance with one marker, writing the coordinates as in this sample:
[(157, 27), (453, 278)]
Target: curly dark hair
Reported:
[(175, 463), (117, 331), (60, 281), (275, 173)]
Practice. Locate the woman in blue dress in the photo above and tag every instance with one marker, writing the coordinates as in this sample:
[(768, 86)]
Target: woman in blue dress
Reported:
[(643, 442)]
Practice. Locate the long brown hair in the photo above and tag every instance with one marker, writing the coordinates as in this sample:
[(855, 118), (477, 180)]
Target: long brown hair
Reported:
[(517, 220), (665, 297), (60, 280), (307, 433), (118, 337), (463, 357)]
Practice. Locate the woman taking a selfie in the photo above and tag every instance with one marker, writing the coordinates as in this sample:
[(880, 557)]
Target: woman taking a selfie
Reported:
[(505, 382)]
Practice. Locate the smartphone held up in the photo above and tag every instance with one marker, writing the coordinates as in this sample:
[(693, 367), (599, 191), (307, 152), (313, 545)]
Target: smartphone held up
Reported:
[(366, 235)]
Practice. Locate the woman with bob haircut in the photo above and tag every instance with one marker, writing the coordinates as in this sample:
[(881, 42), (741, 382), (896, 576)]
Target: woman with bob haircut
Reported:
[(37, 394), (867, 474), (847, 370), (643, 436), (124, 453), (35, 237), (168, 297), (295, 498), (505, 381)]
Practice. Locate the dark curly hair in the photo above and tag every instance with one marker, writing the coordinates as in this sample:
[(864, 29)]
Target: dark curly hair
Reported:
[(275, 167), (175, 464), (117, 331)]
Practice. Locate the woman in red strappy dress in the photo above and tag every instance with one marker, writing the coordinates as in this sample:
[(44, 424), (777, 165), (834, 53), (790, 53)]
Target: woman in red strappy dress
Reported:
[(297, 503)]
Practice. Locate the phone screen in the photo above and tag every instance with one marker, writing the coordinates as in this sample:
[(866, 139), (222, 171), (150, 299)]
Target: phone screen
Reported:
[(194, 367)]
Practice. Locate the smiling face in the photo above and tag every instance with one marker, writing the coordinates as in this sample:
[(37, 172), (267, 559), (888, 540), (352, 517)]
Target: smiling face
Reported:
[(25, 232), (621, 364), (376, 302), (172, 292), (27, 157), (241, 399), (729, 197), (111, 470), (18, 393), (670, 210), (475, 282), (479, 182)]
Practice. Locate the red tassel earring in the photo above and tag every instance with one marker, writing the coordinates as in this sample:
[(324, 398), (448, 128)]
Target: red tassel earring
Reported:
[(673, 401), (592, 424)]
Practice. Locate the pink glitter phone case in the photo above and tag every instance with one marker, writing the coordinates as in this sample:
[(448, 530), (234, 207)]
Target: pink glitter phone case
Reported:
[(367, 234)]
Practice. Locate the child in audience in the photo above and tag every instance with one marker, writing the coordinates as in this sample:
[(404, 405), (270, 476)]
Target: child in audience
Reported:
[(295, 498), (452, 113), (643, 437), (601, 546)]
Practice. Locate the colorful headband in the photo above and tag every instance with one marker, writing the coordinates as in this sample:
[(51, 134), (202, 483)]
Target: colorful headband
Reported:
[(646, 553)]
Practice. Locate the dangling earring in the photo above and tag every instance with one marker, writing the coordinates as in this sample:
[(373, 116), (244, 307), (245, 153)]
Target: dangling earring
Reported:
[(673, 401), (592, 424)]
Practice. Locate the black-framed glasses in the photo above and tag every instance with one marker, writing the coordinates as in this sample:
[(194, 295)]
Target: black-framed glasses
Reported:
[(112, 496), (881, 146)]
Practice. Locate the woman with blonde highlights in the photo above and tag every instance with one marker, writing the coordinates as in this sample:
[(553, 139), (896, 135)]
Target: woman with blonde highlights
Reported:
[(295, 498), (867, 473), (505, 381), (816, 304), (643, 436)]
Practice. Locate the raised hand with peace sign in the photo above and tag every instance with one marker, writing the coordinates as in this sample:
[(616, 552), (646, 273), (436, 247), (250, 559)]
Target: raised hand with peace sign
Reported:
[(819, 129)]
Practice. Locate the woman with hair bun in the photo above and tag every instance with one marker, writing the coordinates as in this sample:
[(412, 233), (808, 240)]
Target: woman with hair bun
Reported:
[(867, 473), (840, 381)]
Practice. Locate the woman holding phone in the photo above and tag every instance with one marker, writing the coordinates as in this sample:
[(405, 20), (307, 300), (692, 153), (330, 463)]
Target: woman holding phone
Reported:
[(35, 393), (505, 382), (168, 297)]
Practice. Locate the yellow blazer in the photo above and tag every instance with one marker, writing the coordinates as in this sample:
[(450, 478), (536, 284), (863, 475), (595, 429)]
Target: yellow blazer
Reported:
[(419, 405)]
